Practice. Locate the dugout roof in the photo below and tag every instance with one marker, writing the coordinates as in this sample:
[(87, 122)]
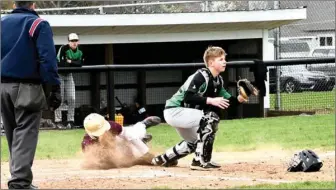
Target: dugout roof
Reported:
[(131, 28)]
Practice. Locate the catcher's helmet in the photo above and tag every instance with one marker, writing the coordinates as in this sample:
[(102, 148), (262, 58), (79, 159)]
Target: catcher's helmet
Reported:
[(306, 161)]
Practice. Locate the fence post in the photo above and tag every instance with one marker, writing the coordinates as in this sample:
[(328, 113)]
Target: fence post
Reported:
[(95, 91), (277, 56), (101, 10), (141, 75), (240, 110), (110, 94)]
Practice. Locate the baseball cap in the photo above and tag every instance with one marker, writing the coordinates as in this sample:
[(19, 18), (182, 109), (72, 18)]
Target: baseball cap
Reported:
[(73, 36), (95, 125)]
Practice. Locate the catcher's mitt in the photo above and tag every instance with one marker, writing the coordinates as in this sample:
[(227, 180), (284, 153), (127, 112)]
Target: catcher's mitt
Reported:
[(246, 89)]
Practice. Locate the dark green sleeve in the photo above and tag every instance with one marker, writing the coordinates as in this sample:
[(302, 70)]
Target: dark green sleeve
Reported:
[(223, 93), (61, 56)]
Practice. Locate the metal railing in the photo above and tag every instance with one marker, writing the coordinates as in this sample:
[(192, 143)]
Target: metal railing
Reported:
[(104, 82), (234, 64)]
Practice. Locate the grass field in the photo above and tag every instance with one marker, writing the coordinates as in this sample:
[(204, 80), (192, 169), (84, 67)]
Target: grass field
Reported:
[(292, 132), (308, 101), (303, 185)]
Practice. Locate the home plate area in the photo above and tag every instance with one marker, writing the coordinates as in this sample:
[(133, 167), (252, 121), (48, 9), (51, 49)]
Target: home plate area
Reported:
[(238, 168)]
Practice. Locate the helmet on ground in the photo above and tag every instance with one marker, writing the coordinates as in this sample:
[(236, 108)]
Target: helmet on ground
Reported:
[(306, 161)]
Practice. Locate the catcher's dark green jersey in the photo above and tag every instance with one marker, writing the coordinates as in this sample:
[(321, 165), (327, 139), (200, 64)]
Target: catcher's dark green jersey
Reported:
[(194, 92)]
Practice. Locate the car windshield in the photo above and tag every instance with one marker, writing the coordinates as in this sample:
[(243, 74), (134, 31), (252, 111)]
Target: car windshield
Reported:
[(294, 68), (294, 47)]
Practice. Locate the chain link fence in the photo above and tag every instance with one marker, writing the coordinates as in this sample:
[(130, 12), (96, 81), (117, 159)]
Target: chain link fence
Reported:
[(307, 87)]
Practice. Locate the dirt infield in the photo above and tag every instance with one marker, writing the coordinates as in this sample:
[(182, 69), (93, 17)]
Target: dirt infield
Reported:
[(238, 168)]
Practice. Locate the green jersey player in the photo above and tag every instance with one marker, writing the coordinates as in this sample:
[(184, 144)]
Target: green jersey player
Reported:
[(193, 111)]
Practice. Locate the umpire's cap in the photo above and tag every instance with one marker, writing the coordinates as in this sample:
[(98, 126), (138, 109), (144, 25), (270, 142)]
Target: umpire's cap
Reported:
[(95, 125)]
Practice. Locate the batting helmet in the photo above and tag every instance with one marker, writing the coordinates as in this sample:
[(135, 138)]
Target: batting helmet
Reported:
[(95, 125)]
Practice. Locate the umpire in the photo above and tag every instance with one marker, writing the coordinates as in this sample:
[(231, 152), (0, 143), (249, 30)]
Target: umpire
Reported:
[(28, 60)]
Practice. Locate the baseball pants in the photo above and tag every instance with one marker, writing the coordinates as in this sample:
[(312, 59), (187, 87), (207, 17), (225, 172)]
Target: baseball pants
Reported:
[(134, 134), (68, 94), (185, 120), (21, 129)]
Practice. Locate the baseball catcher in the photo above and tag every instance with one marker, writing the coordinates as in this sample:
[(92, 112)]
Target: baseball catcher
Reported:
[(107, 144), (194, 112)]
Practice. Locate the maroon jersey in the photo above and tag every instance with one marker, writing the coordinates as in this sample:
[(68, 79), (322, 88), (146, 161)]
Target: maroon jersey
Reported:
[(116, 129)]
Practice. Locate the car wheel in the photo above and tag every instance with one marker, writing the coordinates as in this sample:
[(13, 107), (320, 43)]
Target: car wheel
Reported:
[(330, 88), (290, 86)]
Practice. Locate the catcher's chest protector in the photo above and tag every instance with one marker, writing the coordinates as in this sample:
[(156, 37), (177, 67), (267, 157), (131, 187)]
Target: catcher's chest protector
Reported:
[(215, 84)]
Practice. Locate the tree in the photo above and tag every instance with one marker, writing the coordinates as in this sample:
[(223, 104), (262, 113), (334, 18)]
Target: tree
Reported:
[(6, 5), (64, 4), (234, 5)]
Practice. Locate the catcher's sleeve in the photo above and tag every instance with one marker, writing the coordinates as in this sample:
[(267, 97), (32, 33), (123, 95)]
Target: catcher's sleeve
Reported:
[(223, 93), (233, 100), (191, 96)]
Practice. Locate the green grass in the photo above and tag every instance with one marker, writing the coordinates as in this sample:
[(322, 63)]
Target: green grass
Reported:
[(52, 145), (299, 185), (307, 101), (293, 132)]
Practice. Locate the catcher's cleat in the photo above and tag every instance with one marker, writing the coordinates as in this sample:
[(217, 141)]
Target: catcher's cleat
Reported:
[(196, 165), (147, 138), (151, 121), (158, 161)]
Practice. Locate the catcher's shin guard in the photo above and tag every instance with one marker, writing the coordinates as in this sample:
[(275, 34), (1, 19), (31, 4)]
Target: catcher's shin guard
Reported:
[(170, 157), (206, 137)]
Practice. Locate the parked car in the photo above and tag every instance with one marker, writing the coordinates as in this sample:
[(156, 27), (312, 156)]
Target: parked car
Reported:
[(327, 68), (298, 78)]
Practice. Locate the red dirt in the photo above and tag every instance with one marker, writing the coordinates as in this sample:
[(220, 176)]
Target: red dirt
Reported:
[(238, 168)]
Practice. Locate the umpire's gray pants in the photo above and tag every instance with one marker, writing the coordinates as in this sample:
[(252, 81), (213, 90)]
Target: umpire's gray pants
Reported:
[(68, 94), (21, 129)]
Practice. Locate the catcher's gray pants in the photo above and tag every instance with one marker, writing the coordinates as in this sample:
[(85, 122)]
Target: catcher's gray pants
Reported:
[(68, 94), (21, 129), (186, 121)]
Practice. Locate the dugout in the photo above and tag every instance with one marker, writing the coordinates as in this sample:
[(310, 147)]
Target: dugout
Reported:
[(168, 38)]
